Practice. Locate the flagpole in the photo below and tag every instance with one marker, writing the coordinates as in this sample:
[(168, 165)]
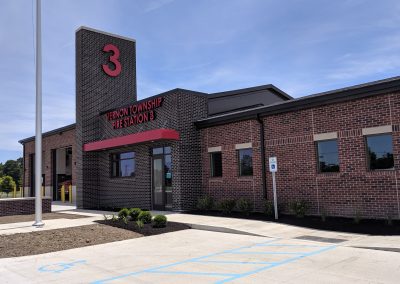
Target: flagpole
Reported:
[(38, 137)]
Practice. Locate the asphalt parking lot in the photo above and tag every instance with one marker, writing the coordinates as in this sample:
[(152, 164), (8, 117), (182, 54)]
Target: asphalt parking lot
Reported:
[(198, 256)]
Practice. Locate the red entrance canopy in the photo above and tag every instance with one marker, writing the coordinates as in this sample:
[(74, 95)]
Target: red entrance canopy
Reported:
[(141, 137)]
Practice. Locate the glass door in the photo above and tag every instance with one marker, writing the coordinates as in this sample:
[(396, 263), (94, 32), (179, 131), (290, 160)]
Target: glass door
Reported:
[(162, 178), (158, 189)]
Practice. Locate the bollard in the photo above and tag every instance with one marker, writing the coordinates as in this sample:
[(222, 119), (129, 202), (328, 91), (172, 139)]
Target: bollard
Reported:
[(62, 194), (70, 193)]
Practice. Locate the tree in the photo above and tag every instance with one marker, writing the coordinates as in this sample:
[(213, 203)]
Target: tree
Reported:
[(13, 168), (1, 169), (7, 184)]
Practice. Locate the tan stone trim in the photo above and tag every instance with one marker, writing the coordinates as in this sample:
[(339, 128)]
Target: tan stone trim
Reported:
[(214, 149), (377, 130), (243, 146), (325, 136)]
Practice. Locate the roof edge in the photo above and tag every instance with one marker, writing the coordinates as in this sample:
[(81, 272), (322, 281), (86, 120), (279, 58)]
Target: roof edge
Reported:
[(104, 33), (270, 87), (374, 88), (49, 133)]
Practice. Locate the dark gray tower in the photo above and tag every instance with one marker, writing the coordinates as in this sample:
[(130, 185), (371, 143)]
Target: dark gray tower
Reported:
[(105, 78)]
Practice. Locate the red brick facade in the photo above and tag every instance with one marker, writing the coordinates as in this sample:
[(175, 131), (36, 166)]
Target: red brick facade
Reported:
[(289, 136), (55, 141)]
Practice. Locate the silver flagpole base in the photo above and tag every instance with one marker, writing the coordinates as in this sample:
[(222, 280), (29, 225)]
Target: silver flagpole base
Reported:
[(38, 224)]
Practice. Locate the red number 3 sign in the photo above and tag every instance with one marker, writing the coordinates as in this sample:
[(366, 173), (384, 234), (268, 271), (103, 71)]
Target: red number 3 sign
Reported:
[(113, 59)]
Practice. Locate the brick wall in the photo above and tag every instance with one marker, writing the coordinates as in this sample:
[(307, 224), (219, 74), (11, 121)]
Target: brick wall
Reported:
[(231, 185), (289, 136), (22, 206), (60, 140)]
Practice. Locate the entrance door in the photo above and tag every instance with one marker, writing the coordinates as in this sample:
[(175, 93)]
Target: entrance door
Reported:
[(158, 182), (162, 178)]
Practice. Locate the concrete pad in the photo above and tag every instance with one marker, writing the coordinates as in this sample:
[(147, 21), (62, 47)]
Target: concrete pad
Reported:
[(193, 256)]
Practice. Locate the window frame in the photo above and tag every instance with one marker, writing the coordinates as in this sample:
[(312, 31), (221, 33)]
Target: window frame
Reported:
[(212, 165), (239, 162), (368, 159), (318, 154), (118, 160)]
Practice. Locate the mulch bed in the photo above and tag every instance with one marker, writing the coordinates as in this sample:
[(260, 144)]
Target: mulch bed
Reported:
[(45, 216), (338, 224), (75, 237)]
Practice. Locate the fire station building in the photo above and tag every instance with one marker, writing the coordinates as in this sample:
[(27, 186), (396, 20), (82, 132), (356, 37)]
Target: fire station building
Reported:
[(339, 151)]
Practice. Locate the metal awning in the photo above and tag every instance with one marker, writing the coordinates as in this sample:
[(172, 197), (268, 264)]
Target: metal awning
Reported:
[(131, 139)]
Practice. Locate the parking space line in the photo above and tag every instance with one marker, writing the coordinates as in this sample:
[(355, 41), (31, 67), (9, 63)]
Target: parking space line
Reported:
[(266, 252), (194, 273), (234, 262), (285, 245), (228, 277), (274, 265)]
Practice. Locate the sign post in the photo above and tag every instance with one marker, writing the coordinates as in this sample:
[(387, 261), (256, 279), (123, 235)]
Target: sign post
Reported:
[(273, 168)]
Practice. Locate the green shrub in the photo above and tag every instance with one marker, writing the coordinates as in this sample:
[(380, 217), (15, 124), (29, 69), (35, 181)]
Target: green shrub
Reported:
[(227, 205), (389, 219), (299, 208), (323, 215), (7, 184), (139, 224), (123, 213), (145, 217), (134, 213), (205, 203), (357, 217), (269, 208), (159, 221), (245, 206)]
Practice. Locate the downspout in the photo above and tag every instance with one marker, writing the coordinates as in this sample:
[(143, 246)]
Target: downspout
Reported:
[(23, 171), (262, 138)]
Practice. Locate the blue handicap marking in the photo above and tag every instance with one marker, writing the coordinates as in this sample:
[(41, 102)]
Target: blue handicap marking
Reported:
[(61, 266), (291, 253)]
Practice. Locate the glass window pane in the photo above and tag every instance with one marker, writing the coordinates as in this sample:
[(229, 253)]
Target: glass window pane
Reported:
[(127, 168), (168, 170), (216, 164), (127, 155), (328, 156), (157, 151), (245, 162), (123, 164), (167, 150), (380, 152)]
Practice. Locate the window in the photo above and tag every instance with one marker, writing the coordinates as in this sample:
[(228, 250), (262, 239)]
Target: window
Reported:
[(216, 164), (380, 152), (245, 159), (328, 156), (123, 164)]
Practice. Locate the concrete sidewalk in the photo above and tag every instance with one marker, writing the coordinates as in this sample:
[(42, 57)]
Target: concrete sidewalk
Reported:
[(221, 224), (275, 253), (193, 256)]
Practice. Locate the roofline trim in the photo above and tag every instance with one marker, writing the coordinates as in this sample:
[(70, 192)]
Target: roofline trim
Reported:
[(270, 87), (49, 133), (104, 33), (335, 96)]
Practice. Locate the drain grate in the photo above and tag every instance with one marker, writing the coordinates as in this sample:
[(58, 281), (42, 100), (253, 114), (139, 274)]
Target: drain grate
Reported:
[(381, 248), (222, 230), (321, 239)]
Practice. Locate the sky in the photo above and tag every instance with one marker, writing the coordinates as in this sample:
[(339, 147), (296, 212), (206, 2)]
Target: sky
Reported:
[(301, 46)]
